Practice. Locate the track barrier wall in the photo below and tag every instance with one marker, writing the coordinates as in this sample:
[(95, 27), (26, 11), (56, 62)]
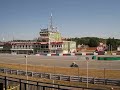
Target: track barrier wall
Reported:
[(68, 54), (10, 83), (75, 54)]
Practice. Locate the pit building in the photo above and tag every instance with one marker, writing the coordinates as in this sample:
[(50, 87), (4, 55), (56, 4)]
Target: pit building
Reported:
[(50, 41)]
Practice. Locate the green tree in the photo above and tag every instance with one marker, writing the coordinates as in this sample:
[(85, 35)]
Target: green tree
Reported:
[(93, 42), (118, 42), (112, 43)]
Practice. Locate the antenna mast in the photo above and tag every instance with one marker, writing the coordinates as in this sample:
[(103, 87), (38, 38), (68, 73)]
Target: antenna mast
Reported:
[(51, 26)]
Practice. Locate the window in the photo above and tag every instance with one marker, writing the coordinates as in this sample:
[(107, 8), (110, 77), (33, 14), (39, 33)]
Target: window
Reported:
[(47, 46), (45, 51)]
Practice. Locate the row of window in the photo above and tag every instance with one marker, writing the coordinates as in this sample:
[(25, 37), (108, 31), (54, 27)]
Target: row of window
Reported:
[(43, 34), (41, 46), (45, 46), (37, 46), (28, 46), (56, 45), (22, 46)]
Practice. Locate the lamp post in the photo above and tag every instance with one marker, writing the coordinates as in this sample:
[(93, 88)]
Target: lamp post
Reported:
[(26, 71), (87, 59), (54, 77)]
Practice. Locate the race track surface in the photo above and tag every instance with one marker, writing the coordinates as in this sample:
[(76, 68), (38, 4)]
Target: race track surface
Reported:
[(62, 61)]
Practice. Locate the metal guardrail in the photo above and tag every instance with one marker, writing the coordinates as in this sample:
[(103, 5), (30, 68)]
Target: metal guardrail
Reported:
[(23, 84), (62, 77)]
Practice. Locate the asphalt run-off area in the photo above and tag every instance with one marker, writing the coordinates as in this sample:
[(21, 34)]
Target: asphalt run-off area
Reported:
[(60, 61)]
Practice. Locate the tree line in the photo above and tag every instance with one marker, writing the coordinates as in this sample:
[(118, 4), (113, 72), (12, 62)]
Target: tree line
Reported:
[(94, 41)]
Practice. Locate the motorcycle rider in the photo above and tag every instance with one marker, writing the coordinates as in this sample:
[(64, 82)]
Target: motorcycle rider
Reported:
[(73, 65)]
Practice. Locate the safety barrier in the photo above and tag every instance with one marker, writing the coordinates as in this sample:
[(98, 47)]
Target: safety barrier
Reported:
[(67, 54), (62, 77), (74, 54)]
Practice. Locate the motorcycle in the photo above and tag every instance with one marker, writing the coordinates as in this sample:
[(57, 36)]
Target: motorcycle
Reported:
[(73, 65)]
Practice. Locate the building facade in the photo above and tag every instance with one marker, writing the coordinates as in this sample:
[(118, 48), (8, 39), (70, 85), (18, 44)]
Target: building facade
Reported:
[(53, 41), (49, 41), (22, 47), (69, 47)]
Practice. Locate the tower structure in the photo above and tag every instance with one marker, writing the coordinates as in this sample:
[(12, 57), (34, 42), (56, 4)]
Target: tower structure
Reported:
[(52, 37)]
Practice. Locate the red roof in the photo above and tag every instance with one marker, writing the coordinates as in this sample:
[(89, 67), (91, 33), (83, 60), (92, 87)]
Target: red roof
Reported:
[(56, 42), (87, 49), (14, 43)]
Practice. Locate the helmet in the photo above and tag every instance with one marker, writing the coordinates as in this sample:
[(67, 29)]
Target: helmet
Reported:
[(74, 63)]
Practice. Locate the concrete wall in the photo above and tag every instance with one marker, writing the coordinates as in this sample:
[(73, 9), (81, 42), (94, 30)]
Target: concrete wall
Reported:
[(69, 46)]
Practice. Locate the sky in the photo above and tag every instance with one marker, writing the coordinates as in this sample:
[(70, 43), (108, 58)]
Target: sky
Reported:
[(22, 19)]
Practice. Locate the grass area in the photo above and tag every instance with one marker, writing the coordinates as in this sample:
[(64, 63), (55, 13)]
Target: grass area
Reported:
[(111, 74)]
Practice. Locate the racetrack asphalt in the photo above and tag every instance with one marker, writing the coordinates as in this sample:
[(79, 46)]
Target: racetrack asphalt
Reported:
[(60, 61)]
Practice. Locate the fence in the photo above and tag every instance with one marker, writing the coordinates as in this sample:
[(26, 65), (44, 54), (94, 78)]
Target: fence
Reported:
[(62, 77), (10, 83)]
